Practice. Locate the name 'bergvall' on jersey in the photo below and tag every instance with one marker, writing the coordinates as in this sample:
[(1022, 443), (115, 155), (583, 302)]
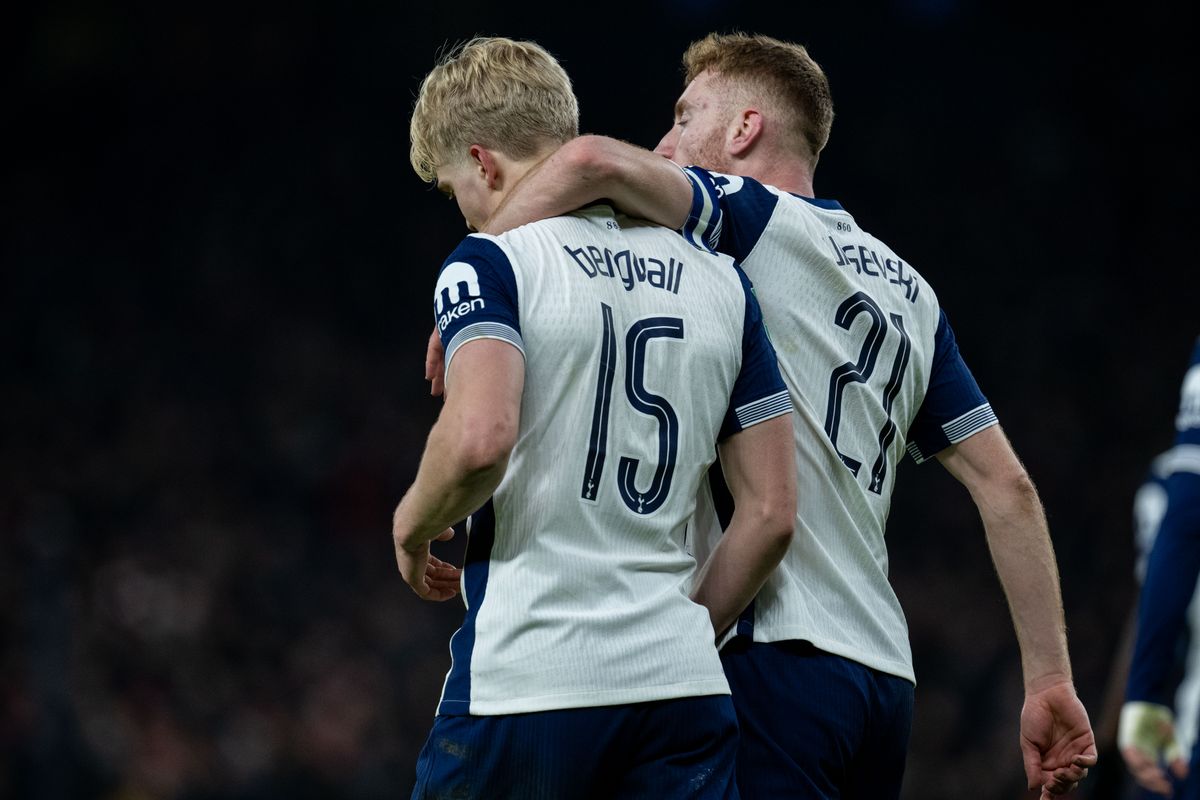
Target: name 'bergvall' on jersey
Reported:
[(627, 267)]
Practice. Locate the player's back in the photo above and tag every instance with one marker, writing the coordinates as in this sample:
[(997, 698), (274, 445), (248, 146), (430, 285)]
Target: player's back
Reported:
[(860, 337), (576, 574)]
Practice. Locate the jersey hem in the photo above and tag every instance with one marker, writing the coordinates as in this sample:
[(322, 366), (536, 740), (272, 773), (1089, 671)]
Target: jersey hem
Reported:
[(900, 669), (608, 697)]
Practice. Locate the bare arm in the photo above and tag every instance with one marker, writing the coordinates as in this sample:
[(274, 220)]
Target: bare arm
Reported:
[(466, 454), (1019, 541), (761, 472), (1056, 737), (591, 168)]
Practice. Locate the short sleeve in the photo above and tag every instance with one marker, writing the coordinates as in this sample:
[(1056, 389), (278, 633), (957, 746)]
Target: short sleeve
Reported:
[(759, 393), (729, 213), (476, 297), (954, 408)]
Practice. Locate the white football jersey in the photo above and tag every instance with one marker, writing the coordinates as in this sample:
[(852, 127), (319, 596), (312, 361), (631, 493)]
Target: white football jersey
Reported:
[(873, 371), (640, 352)]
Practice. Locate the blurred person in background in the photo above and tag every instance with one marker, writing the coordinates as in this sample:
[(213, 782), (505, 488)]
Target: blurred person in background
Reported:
[(1149, 507), (1148, 735)]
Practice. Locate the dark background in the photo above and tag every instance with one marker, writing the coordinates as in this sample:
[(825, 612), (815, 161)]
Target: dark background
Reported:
[(214, 300)]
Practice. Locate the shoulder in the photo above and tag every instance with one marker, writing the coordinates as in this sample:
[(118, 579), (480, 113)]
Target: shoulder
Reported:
[(479, 248), (739, 190)]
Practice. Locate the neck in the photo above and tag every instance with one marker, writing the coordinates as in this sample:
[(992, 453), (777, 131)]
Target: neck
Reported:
[(786, 172), (513, 171)]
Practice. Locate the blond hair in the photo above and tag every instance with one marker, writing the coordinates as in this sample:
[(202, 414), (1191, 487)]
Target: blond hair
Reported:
[(499, 93), (784, 70)]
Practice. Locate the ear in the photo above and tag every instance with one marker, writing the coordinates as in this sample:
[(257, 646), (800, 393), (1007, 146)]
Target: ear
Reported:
[(747, 127), (487, 166)]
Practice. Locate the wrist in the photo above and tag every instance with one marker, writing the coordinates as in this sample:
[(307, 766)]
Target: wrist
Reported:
[(1048, 680), (406, 532)]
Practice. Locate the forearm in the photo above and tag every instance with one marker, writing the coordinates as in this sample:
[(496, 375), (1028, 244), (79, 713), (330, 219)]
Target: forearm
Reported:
[(450, 484), (591, 168), (1019, 541), (743, 559), (761, 472)]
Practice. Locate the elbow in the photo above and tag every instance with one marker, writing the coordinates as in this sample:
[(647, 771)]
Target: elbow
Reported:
[(782, 527), (485, 445), (777, 523), (591, 158), (1007, 492), (1015, 483)]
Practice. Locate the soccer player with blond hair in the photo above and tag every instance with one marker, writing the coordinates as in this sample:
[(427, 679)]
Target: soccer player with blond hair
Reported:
[(593, 366)]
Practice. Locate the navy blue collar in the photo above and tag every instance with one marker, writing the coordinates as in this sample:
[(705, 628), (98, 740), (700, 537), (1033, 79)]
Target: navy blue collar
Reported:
[(828, 205)]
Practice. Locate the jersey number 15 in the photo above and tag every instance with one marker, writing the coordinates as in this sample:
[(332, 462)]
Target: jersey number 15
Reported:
[(639, 335)]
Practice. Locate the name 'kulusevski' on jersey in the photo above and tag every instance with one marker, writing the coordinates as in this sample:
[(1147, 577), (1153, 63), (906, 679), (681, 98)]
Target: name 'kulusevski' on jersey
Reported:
[(610, 454), (849, 315)]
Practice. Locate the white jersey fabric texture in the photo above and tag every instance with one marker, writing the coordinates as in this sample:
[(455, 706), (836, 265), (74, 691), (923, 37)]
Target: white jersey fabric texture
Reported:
[(873, 372), (640, 352)]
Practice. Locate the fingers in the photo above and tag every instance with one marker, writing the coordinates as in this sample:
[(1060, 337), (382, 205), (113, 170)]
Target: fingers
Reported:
[(1179, 768), (439, 565), (445, 535), (438, 594), (443, 583), (1145, 771), (443, 580), (1064, 780), (1033, 764), (434, 364)]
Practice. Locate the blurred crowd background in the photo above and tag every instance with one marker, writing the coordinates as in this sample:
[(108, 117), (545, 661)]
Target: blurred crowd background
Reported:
[(215, 275)]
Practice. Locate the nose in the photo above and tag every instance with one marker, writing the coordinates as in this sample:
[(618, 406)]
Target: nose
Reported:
[(666, 145)]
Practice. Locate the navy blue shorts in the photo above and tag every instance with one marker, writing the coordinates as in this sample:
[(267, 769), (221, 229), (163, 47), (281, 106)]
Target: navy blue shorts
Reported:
[(666, 750), (815, 725)]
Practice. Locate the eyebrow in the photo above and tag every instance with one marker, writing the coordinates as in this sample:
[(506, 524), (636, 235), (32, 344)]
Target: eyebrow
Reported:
[(680, 105)]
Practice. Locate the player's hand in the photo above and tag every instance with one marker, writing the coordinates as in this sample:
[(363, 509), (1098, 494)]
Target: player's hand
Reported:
[(1057, 743), (443, 576), (415, 566), (1146, 739), (435, 364)]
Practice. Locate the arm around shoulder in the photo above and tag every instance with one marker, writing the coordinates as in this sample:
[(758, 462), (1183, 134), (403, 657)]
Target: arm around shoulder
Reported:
[(590, 168)]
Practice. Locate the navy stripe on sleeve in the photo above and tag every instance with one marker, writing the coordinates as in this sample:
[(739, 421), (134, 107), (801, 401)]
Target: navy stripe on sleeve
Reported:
[(954, 409), (759, 393)]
